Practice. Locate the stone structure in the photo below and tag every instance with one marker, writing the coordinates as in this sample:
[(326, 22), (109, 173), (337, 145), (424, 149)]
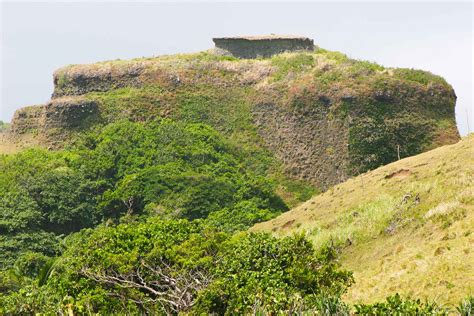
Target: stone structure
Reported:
[(61, 113), (261, 46)]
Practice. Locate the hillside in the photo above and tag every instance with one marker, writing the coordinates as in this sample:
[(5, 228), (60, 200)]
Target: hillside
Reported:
[(132, 191), (320, 114), (405, 227)]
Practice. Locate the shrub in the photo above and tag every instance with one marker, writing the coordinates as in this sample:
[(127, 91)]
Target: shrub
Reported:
[(171, 266), (276, 274), (183, 170), (30, 264), (396, 305)]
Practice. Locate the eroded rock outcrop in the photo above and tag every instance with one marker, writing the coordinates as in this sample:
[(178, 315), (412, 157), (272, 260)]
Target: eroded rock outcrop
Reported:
[(68, 113), (323, 115)]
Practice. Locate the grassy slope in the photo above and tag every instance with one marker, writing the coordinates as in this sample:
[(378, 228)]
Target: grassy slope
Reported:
[(405, 227), (7, 146)]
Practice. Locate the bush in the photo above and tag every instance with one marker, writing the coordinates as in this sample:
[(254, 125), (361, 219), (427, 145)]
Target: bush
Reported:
[(276, 274), (162, 168), (172, 266), (30, 264), (396, 305)]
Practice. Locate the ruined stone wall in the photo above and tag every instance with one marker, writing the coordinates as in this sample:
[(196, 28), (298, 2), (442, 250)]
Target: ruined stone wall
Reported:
[(247, 47), (62, 113), (27, 119)]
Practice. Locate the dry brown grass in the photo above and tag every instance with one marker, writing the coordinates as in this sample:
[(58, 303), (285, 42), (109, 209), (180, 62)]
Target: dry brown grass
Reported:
[(407, 227), (7, 145)]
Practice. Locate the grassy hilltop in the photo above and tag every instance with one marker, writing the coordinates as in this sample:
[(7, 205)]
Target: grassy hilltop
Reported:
[(406, 226)]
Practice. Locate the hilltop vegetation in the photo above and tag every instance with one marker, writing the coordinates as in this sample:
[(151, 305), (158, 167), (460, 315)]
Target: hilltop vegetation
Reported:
[(321, 115), (405, 227), (148, 173)]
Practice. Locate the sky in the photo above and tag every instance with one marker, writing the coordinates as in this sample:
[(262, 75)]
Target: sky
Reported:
[(39, 37)]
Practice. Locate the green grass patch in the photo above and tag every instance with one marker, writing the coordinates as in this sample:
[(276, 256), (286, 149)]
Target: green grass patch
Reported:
[(356, 225), (332, 55), (419, 76), (291, 63)]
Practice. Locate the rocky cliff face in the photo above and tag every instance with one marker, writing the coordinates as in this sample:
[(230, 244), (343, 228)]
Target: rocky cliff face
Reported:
[(323, 115)]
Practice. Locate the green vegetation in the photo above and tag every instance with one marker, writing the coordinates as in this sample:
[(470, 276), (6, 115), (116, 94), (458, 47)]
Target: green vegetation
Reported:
[(382, 113), (332, 55), (171, 266), (466, 306), (4, 126), (374, 141), (404, 227), (147, 207), (159, 168), (140, 180), (292, 63), (419, 76), (127, 188), (396, 305)]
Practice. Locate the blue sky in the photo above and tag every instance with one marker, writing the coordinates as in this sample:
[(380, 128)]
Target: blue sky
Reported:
[(37, 38)]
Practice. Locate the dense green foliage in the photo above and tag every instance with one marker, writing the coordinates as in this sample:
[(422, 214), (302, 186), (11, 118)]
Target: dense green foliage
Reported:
[(280, 274), (396, 305), (374, 141), (168, 266), (148, 216), (160, 168), (96, 227)]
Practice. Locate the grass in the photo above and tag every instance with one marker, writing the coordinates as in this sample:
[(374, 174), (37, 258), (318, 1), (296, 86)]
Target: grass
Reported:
[(406, 227), (338, 57), (286, 63), (419, 76)]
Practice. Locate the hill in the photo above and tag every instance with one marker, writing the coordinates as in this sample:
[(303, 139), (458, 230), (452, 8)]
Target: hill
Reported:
[(320, 114), (406, 227), (152, 171)]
